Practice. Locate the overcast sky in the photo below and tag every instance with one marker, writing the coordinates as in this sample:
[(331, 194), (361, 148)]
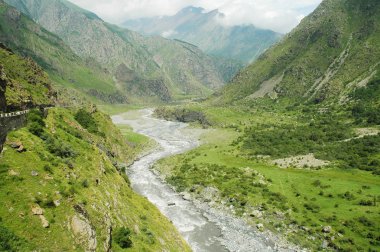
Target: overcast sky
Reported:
[(277, 15)]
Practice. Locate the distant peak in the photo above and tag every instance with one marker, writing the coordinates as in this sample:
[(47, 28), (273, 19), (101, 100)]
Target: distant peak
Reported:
[(192, 9)]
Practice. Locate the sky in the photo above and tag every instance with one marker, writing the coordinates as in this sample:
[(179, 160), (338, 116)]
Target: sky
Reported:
[(278, 15)]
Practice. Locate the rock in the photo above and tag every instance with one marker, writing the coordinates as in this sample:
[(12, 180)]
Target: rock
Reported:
[(37, 210), (260, 226), (186, 196), (44, 221), (15, 145), (13, 173), (306, 229), (256, 213), (57, 202), (171, 204), (325, 244), (21, 149), (34, 173), (84, 232), (326, 229)]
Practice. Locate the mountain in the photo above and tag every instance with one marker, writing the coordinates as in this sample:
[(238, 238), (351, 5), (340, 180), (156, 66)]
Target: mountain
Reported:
[(205, 30), (150, 68), (27, 38), (63, 183), (333, 51)]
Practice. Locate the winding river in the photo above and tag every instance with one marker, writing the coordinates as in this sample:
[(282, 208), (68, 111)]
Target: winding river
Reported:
[(204, 228)]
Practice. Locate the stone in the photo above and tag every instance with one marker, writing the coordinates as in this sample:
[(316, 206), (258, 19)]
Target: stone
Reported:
[(326, 229), (13, 173), (186, 196), (37, 210), (260, 226), (84, 232), (44, 221), (21, 149), (34, 173), (57, 202), (15, 145), (256, 213), (325, 244)]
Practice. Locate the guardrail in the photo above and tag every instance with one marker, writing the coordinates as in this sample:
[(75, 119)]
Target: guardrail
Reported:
[(13, 114)]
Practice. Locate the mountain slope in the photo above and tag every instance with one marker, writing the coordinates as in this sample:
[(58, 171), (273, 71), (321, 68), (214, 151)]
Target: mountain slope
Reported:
[(93, 39), (23, 36), (63, 185), (332, 51), (194, 25)]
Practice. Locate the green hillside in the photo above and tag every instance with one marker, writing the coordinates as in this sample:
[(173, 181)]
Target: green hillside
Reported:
[(333, 51), (24, 36), (63, 185)]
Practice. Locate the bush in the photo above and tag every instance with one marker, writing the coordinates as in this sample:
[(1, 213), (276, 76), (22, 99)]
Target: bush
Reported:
[(86, 120), (35, 122), (122, 237), (10, 241)]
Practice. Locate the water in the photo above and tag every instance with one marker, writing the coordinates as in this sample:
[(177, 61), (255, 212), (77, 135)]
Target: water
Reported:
[(205, 229)]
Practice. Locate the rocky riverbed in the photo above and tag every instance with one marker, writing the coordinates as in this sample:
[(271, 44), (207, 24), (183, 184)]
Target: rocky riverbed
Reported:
[(205, 228)]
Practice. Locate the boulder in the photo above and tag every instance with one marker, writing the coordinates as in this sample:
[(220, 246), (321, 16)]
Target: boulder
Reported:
[(21, 149), (326, 229), (84, 232), (15, 145), (44, 221), (260, 226), (37, 210), (256, 213), (34, 173)]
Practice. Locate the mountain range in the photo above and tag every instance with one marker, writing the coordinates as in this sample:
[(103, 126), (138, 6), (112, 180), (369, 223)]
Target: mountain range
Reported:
[(206, 30), (126, 65)]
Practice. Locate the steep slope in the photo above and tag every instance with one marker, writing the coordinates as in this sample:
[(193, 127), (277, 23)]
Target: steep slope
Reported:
[(63, 185), (24, 84), (332, 51), (24, 36), (205, 29), (117, 49)]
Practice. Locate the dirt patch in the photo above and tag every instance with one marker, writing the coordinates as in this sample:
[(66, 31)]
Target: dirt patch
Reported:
[(302, 161)]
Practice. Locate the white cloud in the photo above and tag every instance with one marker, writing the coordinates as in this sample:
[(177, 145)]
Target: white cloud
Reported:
[(278, 15)]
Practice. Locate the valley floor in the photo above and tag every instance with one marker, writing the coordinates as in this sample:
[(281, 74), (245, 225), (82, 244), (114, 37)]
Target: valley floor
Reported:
[(317, 205)]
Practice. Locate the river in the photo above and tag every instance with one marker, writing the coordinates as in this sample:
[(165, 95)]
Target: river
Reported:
[(204, 228)]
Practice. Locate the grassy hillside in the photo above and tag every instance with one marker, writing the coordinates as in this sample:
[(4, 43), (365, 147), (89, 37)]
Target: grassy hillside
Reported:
[(25, 37), (333, 51), (63, 185), (26, 85), (77, 177)]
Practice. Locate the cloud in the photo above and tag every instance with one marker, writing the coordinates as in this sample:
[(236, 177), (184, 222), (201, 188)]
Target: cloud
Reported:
[(277, 15)]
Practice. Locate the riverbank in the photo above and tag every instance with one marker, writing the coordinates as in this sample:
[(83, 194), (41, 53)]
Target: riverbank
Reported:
[(205, 228)]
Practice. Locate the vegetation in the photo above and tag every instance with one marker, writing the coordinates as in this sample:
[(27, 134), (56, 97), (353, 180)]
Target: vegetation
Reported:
[(65, 166), (236, 159), (122, 237)]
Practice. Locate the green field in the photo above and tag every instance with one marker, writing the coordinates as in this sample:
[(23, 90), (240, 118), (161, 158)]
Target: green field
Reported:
[(295, 202)]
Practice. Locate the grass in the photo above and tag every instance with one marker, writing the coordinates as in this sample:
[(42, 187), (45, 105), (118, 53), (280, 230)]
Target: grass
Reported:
[(297, 203), (88, 178)]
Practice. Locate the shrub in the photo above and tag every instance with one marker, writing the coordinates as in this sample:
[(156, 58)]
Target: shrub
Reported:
[(122, 237), (86, 120), (35, 122)]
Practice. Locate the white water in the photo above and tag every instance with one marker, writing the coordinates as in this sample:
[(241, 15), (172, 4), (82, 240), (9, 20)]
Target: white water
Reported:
[(203, 228)]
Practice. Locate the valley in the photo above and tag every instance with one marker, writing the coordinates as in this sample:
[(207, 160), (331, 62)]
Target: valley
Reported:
[(192, 136)]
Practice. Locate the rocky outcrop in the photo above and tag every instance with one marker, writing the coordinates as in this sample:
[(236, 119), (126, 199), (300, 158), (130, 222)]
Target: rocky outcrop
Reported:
[(83, 230), (3, 85), (182, 115)]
